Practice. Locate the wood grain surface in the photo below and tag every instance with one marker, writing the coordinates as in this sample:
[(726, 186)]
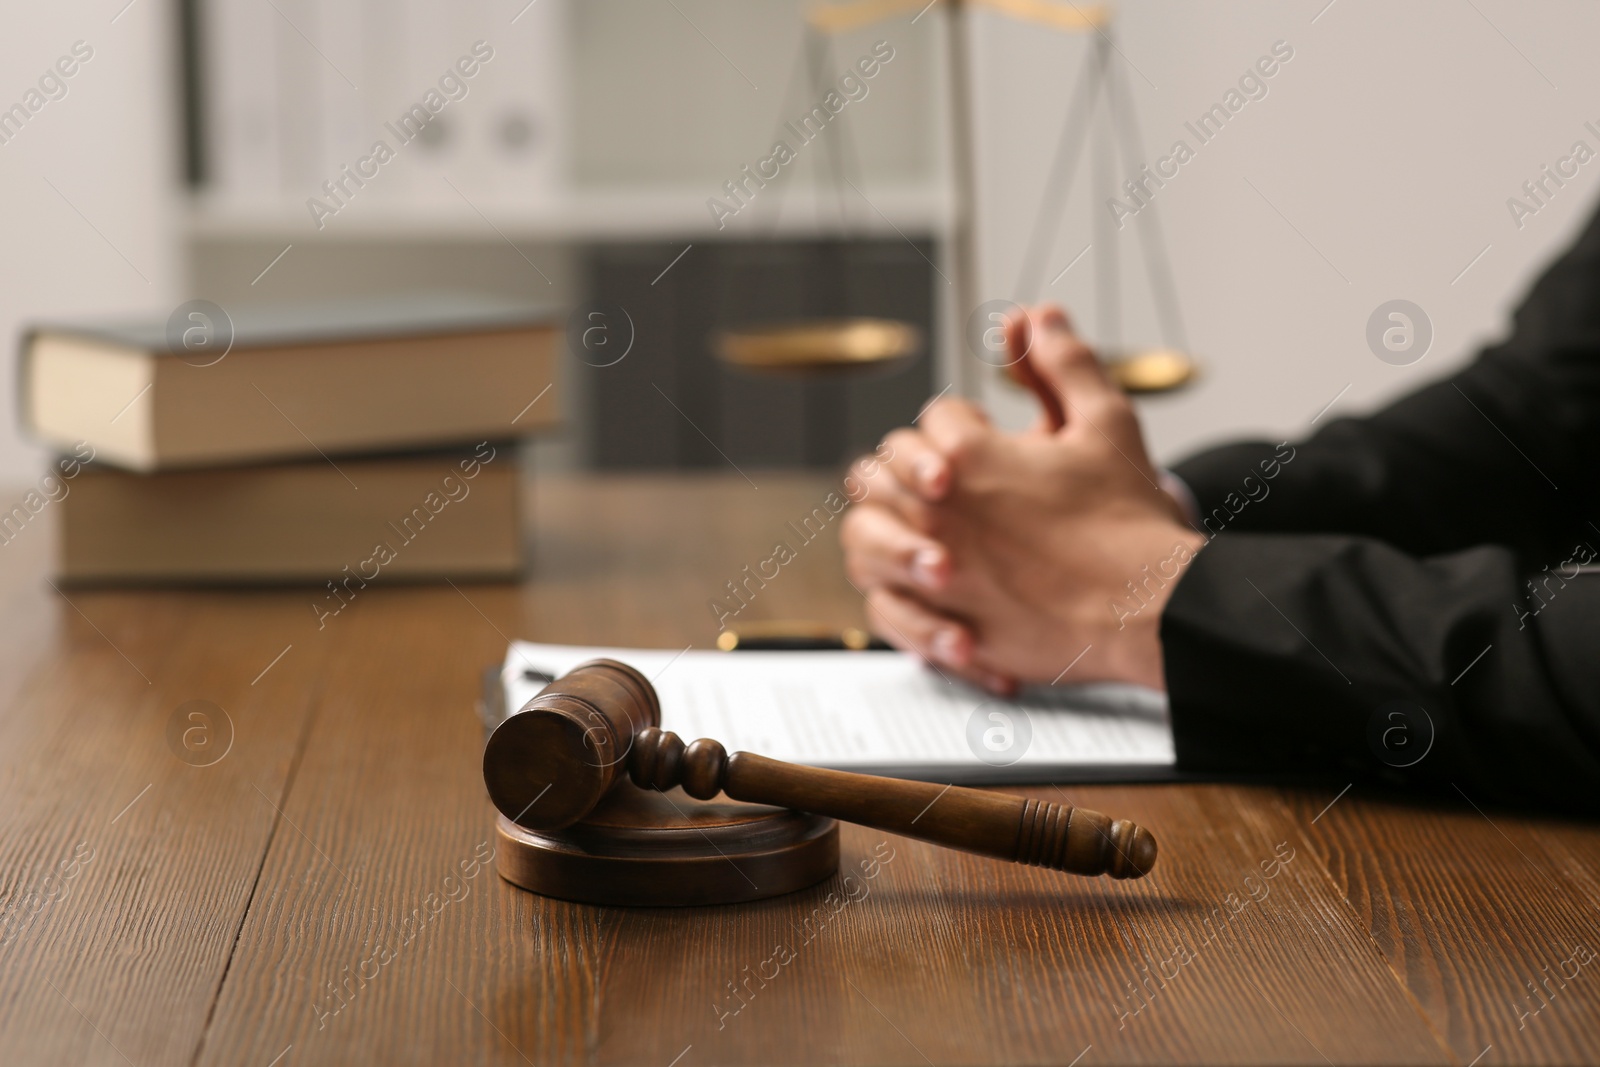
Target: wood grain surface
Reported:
[(321, 892)]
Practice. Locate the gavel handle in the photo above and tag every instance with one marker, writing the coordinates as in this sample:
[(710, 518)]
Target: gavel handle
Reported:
[(1042, 834)]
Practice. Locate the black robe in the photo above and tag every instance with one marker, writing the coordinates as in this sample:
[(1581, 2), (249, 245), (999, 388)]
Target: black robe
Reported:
[(1368, 607)]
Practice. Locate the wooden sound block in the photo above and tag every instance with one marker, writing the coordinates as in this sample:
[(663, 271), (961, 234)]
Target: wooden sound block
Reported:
[(640, 847)]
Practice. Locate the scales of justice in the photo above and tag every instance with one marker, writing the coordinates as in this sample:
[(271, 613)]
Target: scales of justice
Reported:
[(599, 804), (833, 347)]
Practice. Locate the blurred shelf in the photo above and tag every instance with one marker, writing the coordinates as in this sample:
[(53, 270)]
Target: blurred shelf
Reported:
[(584, 216)]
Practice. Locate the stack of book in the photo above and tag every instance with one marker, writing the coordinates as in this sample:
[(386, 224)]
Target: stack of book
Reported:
[(313, 444)]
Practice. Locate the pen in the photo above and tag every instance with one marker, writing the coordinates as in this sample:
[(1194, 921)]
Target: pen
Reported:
[(797, 637)]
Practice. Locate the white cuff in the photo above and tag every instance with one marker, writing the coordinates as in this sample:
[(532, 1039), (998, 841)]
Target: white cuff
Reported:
[(1182, 495)]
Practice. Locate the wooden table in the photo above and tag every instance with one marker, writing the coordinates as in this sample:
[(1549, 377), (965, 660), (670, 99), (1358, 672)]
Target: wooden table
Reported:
[(315, 895)]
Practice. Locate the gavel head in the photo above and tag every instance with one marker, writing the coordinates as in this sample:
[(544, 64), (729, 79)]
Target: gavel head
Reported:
[(547, 766)]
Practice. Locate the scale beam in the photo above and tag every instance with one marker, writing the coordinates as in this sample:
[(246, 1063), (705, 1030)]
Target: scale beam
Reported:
[(1073, 18)]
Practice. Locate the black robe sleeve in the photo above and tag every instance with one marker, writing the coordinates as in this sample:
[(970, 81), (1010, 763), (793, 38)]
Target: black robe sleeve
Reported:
[(1405, 593)]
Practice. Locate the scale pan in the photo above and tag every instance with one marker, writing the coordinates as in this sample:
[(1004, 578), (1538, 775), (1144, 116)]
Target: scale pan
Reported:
[(820, 347), (1152, 370)]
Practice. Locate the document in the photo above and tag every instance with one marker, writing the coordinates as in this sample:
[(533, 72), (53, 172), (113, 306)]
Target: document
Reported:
[(882, 713)]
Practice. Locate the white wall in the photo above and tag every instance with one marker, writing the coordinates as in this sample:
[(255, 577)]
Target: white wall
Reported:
[(1390, 141), (105, 242), (682, 95)]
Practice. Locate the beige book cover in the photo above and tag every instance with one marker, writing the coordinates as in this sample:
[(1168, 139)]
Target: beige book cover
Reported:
[(213, 386), (344, 524)]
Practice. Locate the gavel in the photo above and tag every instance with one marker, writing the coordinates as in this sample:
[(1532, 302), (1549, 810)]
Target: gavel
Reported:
[(549, 765)]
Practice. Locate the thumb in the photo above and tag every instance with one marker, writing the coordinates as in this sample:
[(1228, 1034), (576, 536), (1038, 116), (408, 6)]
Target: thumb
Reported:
[(1022, 370), (1060, 368)]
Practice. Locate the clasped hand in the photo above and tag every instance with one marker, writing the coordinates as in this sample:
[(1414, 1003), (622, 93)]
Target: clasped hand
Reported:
[(1010, 558)]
